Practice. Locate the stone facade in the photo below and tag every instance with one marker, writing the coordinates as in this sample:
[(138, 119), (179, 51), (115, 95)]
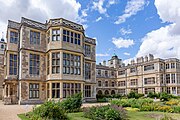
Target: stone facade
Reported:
[(145, 75), (53, 62)]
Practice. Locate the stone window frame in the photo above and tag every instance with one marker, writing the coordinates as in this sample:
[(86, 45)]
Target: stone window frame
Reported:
[(121, 72), (56, 34), (71, 64), (121, 83), (14, 37), (113, 84), (149, 67), (149, 80), (168, 78), (133, 69), (55, 62), (87, 91), (13, 64), (167, 66), (87, 70), (173, 78), (55, 90), (106, 83), (173, 65), (35, 37), (174, 90), (71, 37), (87, 50), (99, 83), (133, 82), (71, 88), (34, 90), (34, 64)]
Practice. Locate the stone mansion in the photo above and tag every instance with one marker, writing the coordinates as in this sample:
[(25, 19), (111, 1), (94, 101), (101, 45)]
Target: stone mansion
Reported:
[(52, 60)]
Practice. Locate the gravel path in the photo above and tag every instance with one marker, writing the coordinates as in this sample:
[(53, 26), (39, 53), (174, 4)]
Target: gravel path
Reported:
[(9, 112)]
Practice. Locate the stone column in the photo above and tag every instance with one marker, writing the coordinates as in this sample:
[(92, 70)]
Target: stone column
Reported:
[(5, 86), (50, 89), (8, 90), (61, 90)]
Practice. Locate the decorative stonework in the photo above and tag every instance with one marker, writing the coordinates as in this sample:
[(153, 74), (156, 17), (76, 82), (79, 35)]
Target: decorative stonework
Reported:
[(33, 23), (14, 25), (90, 40)]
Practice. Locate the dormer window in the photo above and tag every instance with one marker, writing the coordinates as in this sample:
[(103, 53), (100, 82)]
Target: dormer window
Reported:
[(13, 37)]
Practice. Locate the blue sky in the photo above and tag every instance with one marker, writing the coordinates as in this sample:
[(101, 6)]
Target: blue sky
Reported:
[(128, 28)]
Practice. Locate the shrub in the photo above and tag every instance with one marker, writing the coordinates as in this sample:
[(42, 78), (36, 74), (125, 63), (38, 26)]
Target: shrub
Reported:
[(72, 103), (132, 109), (172, 102), (48, 110), (165, 97), (153, 95), (165, 109), (108, 112), (176, 109)]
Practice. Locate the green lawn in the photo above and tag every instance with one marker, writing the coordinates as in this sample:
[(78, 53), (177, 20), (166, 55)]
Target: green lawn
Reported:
[(132, 116)]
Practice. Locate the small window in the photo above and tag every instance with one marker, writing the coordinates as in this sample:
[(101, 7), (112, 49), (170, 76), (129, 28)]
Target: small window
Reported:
[(2, 46)]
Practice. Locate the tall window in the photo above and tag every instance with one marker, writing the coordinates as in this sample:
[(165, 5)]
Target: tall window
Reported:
[(87, 90), (149, 67), (71, 37), (87, 49), (173, 78), (56, 35), (55, 90), (99, 83), (172, 65), (87, 70), (34, 37), (99, 73), (71, 64), (34, 64), (112, 84), (167, 78), (173, 90), (55, 63), (150, 80), (13, 64), (71, 88), (134, 82), (168, 90), (34, 90), (106, 73), (106, 83), (13, 37), (167, 66)]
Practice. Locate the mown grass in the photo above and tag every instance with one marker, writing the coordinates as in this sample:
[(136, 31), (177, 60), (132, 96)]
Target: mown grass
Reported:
[(131, 115)]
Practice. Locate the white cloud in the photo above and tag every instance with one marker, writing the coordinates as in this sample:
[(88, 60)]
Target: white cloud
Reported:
[(102, 55), (98, 19), (126, 53), (122, 43), (124, 31), (132, 7), (111, 2), (165, 41), (39, 10), (99, 6)]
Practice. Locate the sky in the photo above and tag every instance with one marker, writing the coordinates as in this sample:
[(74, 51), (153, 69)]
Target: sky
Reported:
[(127, 28)]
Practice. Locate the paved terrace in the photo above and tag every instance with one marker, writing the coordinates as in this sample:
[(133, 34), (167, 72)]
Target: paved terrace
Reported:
[(9, 112)]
